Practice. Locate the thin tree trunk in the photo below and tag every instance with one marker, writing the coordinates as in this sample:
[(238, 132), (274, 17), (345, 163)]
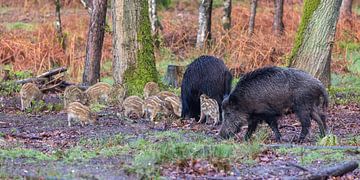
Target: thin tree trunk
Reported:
[(226, 20), (315, 38), (133, 50), (253, 6), (346, 7), (155, 23), (278, 26), (204, 32), (58, 25), (94, 43)]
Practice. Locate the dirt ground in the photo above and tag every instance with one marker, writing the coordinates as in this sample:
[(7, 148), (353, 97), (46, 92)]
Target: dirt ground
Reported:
[(48, 132)]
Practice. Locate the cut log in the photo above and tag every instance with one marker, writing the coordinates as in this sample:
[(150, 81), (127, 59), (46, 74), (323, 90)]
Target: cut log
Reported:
[(174, 75)]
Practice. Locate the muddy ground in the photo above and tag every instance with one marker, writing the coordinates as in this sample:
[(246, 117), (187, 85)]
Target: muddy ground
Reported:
[(48, 132)]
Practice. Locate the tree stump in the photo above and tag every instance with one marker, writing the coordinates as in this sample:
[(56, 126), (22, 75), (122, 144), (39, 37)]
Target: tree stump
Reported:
[(174, 75)]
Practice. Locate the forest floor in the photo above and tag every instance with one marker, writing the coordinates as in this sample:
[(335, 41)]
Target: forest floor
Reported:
[(41, 145)]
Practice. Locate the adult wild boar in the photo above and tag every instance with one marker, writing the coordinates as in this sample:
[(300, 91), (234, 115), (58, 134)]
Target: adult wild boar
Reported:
[(205, 75), (266, 94)]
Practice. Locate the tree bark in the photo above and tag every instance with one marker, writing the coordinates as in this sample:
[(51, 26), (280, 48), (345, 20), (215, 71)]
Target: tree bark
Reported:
[(204, 32), (58, 25), (315, 38), (346, 7), (94, 43), (253, 6), (133, 50), (226, 20), (278, 25), (154, 20)]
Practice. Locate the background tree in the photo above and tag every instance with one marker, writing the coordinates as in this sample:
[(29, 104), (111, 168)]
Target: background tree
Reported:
[(134, 61), (315, 38), (226, 19), (58, 25), (87, 4), (155, 22), (253, 6), (346, 7), (278, 25), (94, 42), (204, 32)]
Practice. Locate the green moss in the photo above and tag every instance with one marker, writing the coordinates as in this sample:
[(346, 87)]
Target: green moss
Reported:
[(145, 70), (309, 7)]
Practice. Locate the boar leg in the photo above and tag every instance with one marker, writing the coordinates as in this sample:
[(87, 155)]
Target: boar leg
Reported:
[(304, 117), (322, 126), (272, 122), (252, 124)]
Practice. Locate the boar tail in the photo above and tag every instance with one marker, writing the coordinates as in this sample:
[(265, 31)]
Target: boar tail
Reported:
[(325, 95)]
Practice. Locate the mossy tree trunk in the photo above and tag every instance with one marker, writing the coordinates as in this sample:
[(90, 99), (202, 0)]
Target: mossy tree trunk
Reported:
[(94, 42), (133, 50), (315, 38), (226, 19), (204, 32), (278, 25), (253, 5)]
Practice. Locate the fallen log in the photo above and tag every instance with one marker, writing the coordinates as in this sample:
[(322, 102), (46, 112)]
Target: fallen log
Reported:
[(277, 146), (52, 72), (42, 78), (337, 170), (32, 80)]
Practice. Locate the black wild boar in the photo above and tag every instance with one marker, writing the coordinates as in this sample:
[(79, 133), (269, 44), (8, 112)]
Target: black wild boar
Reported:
[(205, 75), (266, 94)]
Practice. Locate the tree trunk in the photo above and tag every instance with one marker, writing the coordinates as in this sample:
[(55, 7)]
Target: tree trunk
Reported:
[(204, 32), (315, 38), (155, 23), (95, 42), (253, 6), (226, 20), (174, 75), (134, 61), (58, 25), (278, 26), (346, 7)]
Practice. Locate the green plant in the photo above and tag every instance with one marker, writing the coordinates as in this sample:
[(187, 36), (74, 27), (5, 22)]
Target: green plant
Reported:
[(76, 154), (30, 154), (97, 107), (8, 88), (37, 106), (329, 140), (20, 26), (353, 141)]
